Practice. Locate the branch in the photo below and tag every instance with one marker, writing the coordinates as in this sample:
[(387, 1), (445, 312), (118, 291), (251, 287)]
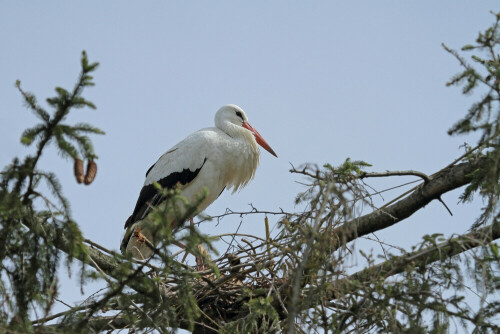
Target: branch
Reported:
[(116, 322), (396, 173), (448, 179), (97, 324), (420, 258), (96, 259)]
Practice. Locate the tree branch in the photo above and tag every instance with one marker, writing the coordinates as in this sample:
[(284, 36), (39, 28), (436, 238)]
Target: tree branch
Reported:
[(96, 259), (421, 258), (446, 180), (396, 173)]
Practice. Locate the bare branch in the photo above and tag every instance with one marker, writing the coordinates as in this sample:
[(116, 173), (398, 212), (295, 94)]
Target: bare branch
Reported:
[(448, 179), (396, 173)]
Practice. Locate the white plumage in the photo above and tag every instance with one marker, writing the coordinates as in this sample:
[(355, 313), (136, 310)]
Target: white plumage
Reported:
[(217, 158)]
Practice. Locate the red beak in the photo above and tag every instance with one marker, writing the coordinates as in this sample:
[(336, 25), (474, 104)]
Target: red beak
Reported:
[(259, 138)]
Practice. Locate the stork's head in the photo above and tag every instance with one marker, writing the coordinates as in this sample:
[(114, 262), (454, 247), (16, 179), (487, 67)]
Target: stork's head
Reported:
[(233, 120)]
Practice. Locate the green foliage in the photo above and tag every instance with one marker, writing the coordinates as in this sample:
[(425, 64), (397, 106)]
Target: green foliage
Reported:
[(261, 318), (29, 220), (338, 180), (297, 280), (483, 116), (36, 227), (348, 171), (51, 128)]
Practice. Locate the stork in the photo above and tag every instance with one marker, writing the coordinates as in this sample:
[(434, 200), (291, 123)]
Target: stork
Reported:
[(217, 158)]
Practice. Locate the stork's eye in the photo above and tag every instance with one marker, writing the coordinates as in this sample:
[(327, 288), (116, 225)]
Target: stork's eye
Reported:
[(238, 113)]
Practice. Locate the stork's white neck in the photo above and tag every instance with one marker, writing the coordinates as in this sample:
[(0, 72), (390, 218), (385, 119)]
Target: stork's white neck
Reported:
[(244, 157), (229, 128), (242, 151)]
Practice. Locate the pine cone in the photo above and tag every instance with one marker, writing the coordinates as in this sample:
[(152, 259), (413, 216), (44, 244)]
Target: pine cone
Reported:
[(78, 170), (91, 172)]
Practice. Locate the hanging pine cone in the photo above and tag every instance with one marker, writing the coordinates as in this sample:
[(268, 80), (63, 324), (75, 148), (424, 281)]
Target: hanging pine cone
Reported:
[(91, 172), (78, 170)]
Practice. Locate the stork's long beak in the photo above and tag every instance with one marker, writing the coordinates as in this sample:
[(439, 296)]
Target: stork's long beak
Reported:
[(259, 138)]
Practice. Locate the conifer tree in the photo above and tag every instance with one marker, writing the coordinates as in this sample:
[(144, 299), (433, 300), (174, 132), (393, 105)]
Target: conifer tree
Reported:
[(295, 280)]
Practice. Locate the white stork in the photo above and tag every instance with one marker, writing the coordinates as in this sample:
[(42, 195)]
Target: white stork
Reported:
[(224, 156)]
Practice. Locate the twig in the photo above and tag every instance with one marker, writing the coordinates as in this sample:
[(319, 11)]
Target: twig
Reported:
[(447, 208), (60, 314), (396, 173), (244, 213)]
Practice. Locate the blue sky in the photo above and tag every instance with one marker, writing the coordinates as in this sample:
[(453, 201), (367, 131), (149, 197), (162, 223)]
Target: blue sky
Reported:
[(321, 82)]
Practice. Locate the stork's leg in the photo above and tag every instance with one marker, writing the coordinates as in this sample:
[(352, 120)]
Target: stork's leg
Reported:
[(200, 264)]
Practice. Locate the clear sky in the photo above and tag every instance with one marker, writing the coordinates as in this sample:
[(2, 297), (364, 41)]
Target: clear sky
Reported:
[(321, 81)]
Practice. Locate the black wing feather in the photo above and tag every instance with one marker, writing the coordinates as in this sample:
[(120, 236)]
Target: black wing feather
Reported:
[(149, 195)]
